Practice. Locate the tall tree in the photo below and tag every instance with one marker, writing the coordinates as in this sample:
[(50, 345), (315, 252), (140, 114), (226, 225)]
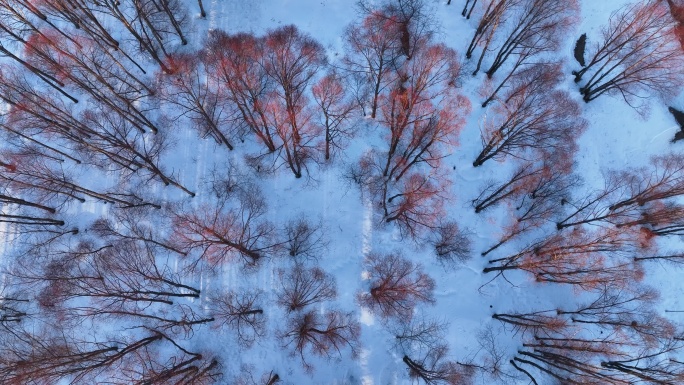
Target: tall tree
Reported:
[(637, 54), (319, 334), (233, 228), (532, 118), (397, 286), (186, 88), (533, 30), (292, 60)]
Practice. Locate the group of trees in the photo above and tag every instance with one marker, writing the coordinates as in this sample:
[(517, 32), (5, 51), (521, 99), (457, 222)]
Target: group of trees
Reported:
[(267, 81), (92, 89), (119, 270), (615, 338), (269, 86), (600, 246), (412, 91), (95, 283), (118, 267), (533, 119), (235, 232), (637, 54), (603, 238), (526, 32)]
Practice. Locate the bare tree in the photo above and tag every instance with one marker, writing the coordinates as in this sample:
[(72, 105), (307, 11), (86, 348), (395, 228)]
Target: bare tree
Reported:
[(103, 136), (534, 30), (304, 238), (247, 377), (594, 207), (187, 89), (233, 228), (421, 112), (235, 63), (267, 80), (581, 258), (465, 13), (423, 116), (397, 286), (390, 33), (421, 342), (418, 333), (9, 199), (301, 287), (658, 218), (133, 224), (84, 17), (336, 108), (292, 59), (17, 25), (627, 190), (111, 130), (122, 281), (373, 47), (451, 244), (323, 335), (13, 305), (494, 17), (535, 323), (241, 312), (572, 367), (91, 70), (603, 360), (151, 23), (152, 357), (416, 203), (625, 311), (46, 358), (525, 175), (538, 200), (533, 117), (46, 183), (655, 366), (638, 54), (665, 179), (493, 354), (434, 368), (184, 368), (409, 17)]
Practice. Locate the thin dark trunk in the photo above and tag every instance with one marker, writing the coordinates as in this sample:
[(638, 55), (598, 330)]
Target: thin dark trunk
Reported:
[(201, 7), (18, 201), (376, 92), (524, 372), (499, 268), (42, 75), (28, 220), (503, 82)]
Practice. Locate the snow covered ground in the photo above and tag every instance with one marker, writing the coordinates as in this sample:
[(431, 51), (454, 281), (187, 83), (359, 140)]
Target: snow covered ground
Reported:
[(466, 298), (617, 137)]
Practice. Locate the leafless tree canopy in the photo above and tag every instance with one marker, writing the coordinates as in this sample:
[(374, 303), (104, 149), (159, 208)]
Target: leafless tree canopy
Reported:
[(397, 286), (302, 287), (636, 55), (323, 335)]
